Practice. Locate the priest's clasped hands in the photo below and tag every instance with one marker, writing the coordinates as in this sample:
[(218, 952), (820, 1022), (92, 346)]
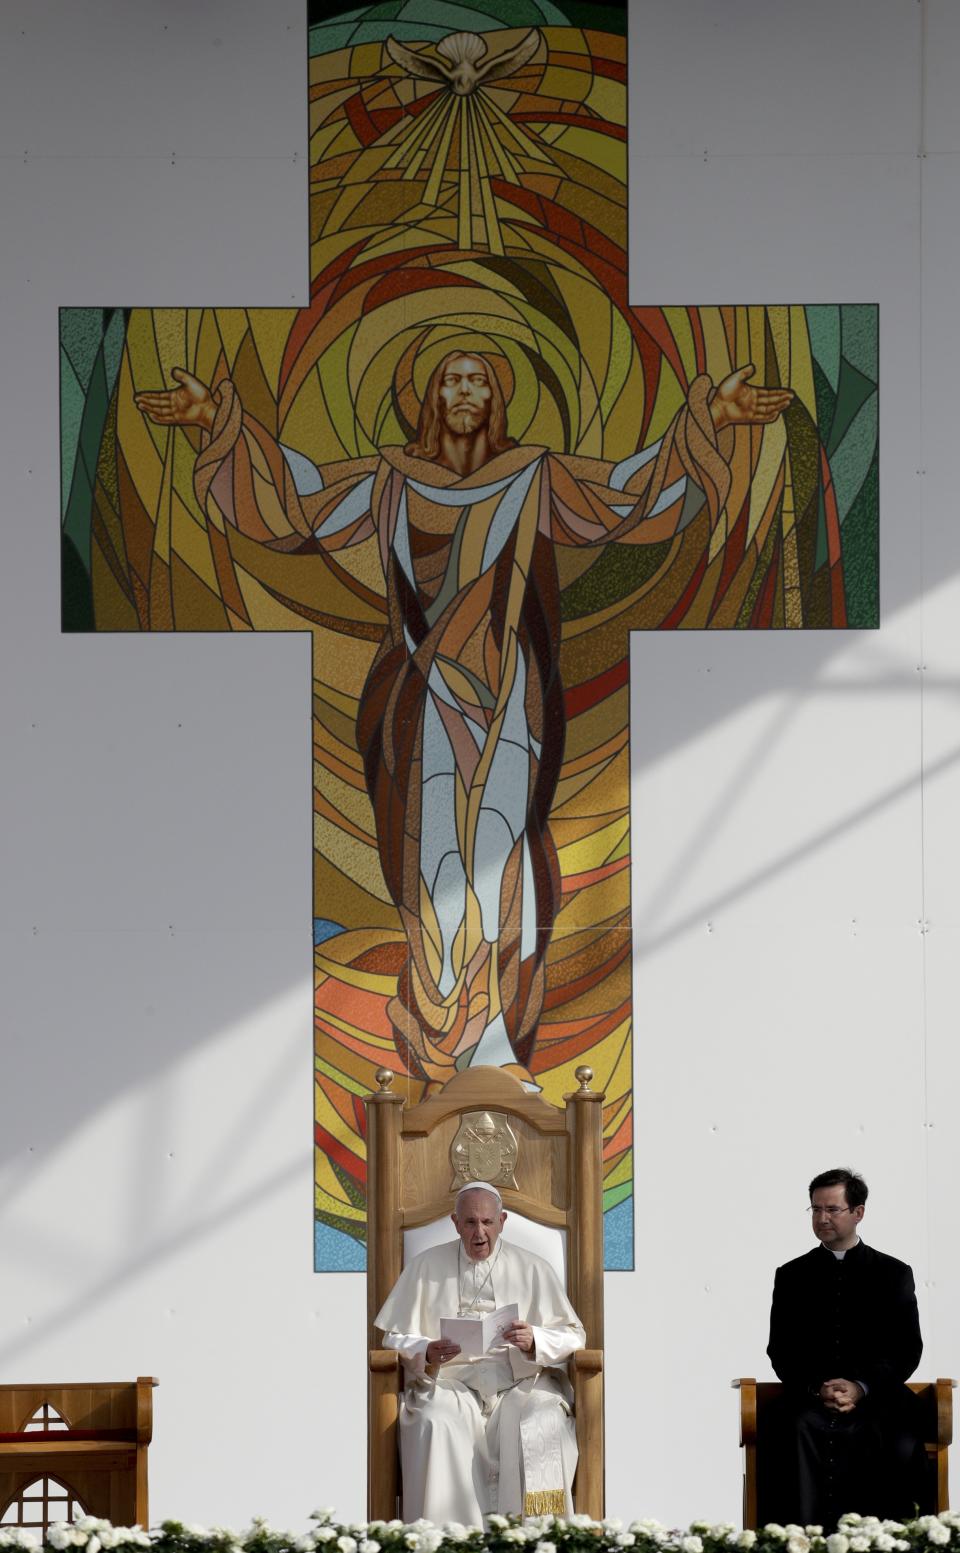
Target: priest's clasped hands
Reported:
[(518, 1334), (840, 1396)]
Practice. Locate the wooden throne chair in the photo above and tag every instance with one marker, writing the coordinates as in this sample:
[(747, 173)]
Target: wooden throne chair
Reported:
[(71, 1450), (937, 1402), (546, 1163)]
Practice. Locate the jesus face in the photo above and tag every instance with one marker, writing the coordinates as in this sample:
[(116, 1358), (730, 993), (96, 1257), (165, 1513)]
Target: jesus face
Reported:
[(479, 1223), (465, 395)]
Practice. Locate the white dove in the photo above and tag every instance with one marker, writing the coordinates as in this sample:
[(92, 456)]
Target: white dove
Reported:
[(463, 65)]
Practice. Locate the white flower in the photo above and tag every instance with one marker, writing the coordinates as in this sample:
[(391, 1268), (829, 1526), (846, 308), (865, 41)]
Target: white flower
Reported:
[(498, 1522), (774, 1529), (884, 1542), (514, 1534), (347, 1544), (838, 1543), (625, 1539), (368, 1545), (324, 1534), (938, 1533), (814, 1531), (860, 1543), (801, 1544), (545, 1547), (453, 1531), (691, 1544), (612, 1523), (746, 1538), (580, 1520)]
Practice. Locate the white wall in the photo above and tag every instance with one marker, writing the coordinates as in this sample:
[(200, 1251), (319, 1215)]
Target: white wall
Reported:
[(794, 796)]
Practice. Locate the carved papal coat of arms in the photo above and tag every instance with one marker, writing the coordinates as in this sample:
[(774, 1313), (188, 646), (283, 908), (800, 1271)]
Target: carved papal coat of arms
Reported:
[(484, 1149)]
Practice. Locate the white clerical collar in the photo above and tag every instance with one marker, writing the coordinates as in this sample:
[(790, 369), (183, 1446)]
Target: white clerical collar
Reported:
[(841, 1254)]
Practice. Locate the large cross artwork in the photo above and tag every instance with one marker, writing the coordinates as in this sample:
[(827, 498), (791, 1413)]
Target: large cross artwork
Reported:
[(469, 468)]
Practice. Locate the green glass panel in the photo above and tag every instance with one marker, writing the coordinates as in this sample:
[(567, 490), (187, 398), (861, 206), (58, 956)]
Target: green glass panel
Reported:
[(114, 336), (851, 461), (860, 543), (853, 391), (823, 326), (859, 343), (826, 402), (327, 39), (71, 414), (618, 571), (76, 594), (81, 331)]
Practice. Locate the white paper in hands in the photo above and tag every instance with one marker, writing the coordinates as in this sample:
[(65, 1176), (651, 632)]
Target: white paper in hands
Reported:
[(476, 1335)]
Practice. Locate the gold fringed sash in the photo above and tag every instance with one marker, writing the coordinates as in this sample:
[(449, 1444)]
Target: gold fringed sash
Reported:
[(540, 1445), (545, 1501)]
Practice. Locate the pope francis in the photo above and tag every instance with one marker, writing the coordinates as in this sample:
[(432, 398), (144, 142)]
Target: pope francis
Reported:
[(493, 1433)]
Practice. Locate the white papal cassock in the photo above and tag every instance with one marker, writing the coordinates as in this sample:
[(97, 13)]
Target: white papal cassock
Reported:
[(489, 1434)]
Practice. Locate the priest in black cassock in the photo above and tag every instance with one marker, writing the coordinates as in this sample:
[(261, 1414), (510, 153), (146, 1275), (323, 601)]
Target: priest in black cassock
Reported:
[(844, 1337)]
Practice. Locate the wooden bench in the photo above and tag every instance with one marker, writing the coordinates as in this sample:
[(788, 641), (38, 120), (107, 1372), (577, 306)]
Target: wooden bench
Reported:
[(70, 1449)]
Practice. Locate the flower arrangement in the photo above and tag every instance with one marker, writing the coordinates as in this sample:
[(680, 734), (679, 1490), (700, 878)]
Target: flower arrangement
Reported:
[(505, 1534)]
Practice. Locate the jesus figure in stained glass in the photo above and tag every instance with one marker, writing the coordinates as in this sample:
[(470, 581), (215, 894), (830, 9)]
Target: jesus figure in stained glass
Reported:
[(461, 721)]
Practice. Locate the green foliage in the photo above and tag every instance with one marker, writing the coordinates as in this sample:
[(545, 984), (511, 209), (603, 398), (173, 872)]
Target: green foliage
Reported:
[(504, 1534)]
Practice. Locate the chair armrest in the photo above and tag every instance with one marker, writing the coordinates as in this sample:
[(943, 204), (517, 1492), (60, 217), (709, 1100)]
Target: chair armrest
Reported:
[(945, 1388), (588, 1361), (747, 1387), (383, 1361)]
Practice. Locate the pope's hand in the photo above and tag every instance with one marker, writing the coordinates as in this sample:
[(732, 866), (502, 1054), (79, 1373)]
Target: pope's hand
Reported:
[(440, 1350), (738, 402), (840, 1396), (191, 404), (519, 1335)]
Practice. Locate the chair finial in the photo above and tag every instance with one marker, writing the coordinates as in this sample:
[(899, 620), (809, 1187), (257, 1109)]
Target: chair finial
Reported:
[(583, 1077), (384, 1078)]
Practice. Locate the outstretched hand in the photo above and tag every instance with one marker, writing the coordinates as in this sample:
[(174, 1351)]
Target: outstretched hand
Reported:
[(190, 404), (738, 402)]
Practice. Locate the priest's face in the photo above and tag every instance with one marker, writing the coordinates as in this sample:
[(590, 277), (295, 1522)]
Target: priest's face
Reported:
[(834, 1224), (465, 395), (479, 1222)]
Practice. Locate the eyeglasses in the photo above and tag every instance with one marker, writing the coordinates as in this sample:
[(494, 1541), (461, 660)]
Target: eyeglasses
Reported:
[(828, 1213)]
